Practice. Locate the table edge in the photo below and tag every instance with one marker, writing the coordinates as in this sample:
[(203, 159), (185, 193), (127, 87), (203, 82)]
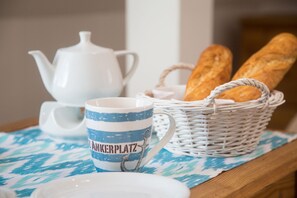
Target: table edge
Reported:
[(240, 181)]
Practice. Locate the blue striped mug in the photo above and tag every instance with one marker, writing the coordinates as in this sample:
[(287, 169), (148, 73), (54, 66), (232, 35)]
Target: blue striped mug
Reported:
[(119, 133)]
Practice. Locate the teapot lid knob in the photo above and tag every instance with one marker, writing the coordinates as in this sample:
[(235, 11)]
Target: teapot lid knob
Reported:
[(85, 36), (85, 45)]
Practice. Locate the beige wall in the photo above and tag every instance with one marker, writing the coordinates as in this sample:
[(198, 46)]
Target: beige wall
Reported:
[(47, 26)]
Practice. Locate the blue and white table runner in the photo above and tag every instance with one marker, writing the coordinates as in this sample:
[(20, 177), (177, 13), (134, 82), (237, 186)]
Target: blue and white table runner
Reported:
[(29, 158)]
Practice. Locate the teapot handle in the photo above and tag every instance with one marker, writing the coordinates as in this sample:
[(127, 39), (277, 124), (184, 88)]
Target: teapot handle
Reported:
[(132, 69)]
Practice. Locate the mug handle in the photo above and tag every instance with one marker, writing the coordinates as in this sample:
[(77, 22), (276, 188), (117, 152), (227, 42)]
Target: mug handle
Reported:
[(129, 74), (165, 139)]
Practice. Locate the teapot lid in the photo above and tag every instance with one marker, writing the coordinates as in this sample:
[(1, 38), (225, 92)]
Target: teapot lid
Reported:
[(85, 45)]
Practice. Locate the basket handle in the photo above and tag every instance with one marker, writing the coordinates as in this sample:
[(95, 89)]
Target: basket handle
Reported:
[(265, 92), (167, 71)]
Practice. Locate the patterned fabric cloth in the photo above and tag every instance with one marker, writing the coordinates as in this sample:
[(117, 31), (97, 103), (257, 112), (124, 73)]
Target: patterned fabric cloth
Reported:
[(29, 158)]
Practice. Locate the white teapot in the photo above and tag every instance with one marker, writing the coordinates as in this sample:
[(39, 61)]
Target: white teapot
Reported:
[(83, 71)]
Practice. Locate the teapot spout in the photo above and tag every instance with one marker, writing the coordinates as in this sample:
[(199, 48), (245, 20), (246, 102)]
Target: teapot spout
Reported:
[(46, 69)]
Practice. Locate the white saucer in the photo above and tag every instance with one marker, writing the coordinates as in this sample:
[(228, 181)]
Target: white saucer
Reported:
[(61, 121), (110, 185)]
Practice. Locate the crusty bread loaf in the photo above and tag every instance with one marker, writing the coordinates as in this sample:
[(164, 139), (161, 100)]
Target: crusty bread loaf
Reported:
[(212, 69), (268, 65)]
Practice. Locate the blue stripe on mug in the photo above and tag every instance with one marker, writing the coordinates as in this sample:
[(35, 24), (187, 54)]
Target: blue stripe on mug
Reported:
[(119, 137), (117, 157), (119, 117)]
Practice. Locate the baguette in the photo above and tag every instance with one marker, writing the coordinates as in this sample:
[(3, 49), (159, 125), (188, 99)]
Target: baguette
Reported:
[(212, 69), (268, 65)]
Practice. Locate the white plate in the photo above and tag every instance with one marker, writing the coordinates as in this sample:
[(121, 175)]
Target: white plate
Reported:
[(7, 193), (113, 185)]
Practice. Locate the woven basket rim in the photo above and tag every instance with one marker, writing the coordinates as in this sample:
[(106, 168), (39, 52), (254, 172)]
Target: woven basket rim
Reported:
[(276, 98), (268, 98)]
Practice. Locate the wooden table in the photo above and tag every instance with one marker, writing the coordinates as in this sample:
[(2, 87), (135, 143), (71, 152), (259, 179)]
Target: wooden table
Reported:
[(271, 175)]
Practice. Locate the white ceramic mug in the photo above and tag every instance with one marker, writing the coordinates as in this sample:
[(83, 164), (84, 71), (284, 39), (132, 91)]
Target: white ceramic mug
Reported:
[(119, 133)]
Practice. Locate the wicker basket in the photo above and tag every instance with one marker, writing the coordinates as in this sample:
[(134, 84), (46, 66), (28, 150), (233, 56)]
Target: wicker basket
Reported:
[(210, 129)]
